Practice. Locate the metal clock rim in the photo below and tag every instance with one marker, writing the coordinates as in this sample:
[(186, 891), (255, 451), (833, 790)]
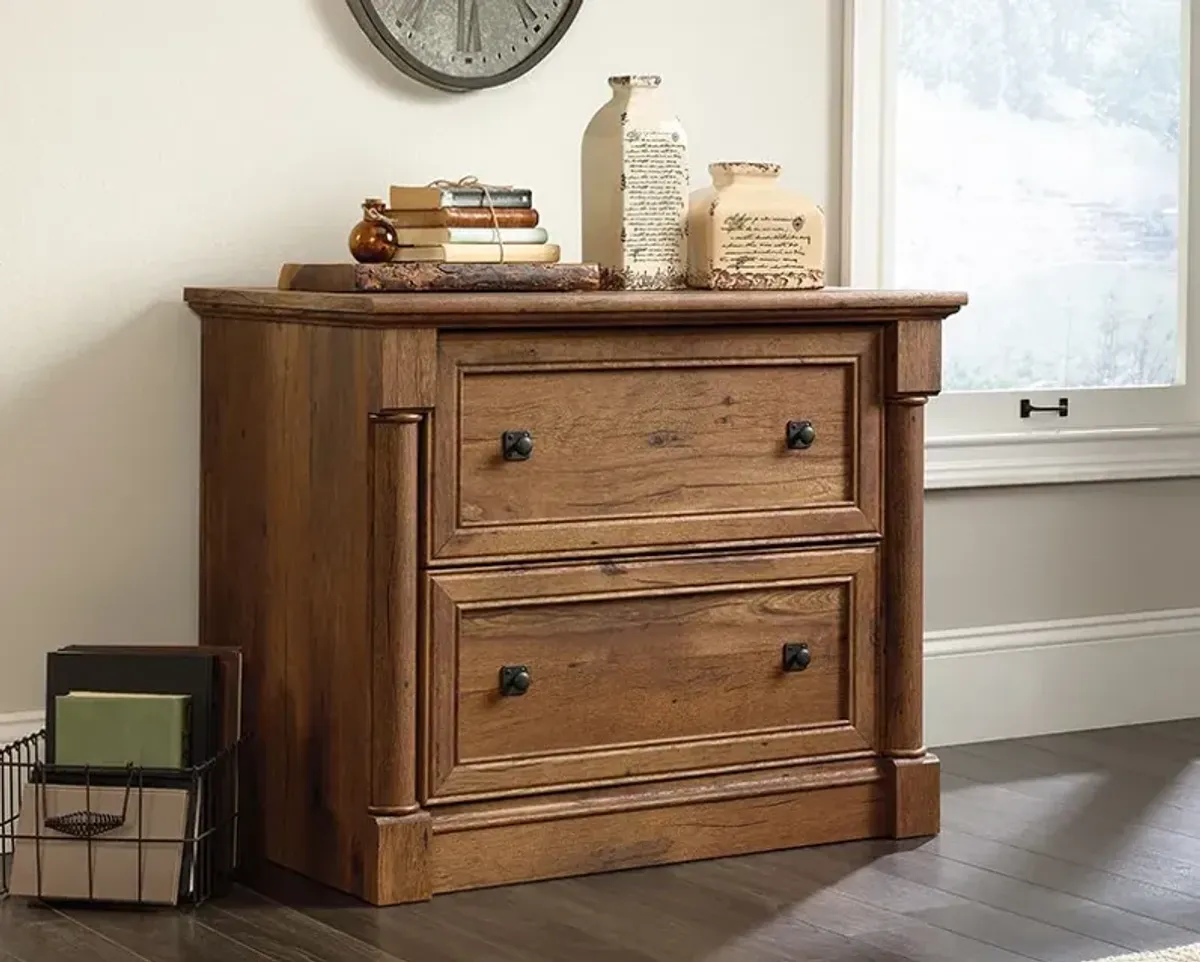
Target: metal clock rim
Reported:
[(368, 19)]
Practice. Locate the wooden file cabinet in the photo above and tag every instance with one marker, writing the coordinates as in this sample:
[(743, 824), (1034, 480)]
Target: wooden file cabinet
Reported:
[(539, 585)]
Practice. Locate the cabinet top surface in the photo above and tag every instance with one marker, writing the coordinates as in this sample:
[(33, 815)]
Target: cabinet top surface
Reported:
[(515, 309)]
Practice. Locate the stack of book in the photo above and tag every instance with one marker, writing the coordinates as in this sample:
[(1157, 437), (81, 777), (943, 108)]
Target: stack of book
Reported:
[(469, 224), (137, 799)]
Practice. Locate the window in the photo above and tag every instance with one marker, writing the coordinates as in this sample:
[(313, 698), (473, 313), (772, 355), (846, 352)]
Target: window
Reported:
[(1033, 153)]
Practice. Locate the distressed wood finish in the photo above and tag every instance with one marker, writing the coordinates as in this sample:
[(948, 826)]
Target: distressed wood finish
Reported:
[(654, 439), (379, 562), (637, 309), (913, 374), (285, 573), (604, 833), (645, 669), (396, 276), (394, 600), (1026, 868)]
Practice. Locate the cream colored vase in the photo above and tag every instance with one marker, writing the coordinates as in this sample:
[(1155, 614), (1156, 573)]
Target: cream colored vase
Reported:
[(747, 233), (635, 188)]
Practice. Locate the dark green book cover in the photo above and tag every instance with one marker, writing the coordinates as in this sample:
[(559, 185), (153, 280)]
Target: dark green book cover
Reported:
[(115, 729)]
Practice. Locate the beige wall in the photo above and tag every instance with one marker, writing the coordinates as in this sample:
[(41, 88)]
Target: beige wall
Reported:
[(1008, 556), (145, 146)]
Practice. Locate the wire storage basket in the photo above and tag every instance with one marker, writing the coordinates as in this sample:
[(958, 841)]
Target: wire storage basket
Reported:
[(116, 835)]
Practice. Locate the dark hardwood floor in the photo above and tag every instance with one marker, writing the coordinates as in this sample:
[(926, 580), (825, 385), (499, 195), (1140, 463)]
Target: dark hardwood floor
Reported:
[(1063, 848)]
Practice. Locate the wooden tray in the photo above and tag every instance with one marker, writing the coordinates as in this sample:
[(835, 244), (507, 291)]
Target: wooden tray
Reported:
[(410, 277)]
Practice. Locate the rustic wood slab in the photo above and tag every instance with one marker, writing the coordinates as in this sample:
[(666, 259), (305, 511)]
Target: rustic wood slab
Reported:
[(410, 277)]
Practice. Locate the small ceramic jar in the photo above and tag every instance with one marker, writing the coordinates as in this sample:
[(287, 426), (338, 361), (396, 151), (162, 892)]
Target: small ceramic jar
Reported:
[(746, 232)]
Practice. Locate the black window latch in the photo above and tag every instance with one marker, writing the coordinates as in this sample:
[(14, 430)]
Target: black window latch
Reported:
[(1028, 408)]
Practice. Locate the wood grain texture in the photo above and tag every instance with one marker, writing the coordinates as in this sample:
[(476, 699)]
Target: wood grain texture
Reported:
[(379, 562), (397, 277), (400, 866), (329, 671), (608, 841), (241, 397), (912, 372), (286, 547), (980, 886), (171, 936), (395, 606), (654, 439), (31, 933), (409, 368), (1014, 935), (681, 662), (1080, 877), (904, 565), (283, 934), (587, 309), (914, 358), (916, 801)]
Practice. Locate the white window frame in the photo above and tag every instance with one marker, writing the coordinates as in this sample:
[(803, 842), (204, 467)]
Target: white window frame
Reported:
[(977, 440)]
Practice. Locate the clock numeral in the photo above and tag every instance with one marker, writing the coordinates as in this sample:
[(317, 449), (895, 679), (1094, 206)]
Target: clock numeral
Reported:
[(470, 38), (528, 15), (411, 13)]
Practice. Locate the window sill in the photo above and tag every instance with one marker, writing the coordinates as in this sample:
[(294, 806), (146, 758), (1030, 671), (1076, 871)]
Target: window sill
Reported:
[(1062, 457)]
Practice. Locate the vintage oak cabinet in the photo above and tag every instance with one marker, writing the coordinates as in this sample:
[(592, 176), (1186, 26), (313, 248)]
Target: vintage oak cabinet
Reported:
[(539, 585)]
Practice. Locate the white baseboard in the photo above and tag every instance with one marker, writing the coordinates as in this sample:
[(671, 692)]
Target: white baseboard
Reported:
[(16, 725), (1013, 681), (1062, 457), (13, 727)]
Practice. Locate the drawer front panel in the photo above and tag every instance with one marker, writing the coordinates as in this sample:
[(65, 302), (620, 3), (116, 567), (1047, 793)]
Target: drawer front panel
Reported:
[(648, 669), (650, 440)]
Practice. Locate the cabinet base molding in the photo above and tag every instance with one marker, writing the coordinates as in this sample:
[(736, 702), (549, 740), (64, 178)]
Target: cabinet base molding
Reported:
[(398, 850), (917, 799), (478, 845)]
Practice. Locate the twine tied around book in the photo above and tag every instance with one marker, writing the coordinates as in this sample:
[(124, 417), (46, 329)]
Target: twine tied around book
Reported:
[(472, 181), (373, 212)]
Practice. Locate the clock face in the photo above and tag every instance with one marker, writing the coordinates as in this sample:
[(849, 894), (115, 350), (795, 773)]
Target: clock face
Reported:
[(465, 44)]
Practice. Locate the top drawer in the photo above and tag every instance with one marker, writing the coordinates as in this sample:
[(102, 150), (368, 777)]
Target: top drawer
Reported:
[(648, 440)]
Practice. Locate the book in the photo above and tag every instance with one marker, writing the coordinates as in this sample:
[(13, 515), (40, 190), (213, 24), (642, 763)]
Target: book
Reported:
[(226, 778), (481, 253), (212, 677), (394, 277), (112, 867), (425, 236), (115, 729), (431, 198), (229, 679), (184, 671), (465, 217)]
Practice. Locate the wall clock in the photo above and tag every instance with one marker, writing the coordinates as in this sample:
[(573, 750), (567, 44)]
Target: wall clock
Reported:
[(465, 45)]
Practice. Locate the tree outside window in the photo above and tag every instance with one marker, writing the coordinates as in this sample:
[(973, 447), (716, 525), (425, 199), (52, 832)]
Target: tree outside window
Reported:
[(1037, 165)]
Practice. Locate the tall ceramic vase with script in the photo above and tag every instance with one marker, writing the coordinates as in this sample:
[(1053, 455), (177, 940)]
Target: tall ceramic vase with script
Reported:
[(635, 189), (747, 232)]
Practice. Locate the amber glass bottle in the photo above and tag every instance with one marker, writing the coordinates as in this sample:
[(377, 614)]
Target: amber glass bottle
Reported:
[(373, 240)]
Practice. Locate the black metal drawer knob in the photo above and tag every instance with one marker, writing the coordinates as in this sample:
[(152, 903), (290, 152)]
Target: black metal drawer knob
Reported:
[(514, 680), (800, 435), (517, 445), (796, 657)]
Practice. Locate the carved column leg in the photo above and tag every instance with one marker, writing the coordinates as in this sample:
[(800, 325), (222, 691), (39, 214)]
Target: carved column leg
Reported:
[(914, 372), (400, 854), (904, 590)]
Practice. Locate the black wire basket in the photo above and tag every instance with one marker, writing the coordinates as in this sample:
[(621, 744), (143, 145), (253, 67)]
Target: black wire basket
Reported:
[(117, 835)]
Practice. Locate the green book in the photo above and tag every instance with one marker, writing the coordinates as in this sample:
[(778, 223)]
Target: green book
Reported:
[(115, 729)]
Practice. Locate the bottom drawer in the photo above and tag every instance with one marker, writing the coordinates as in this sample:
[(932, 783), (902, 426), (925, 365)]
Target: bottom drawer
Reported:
[(548, 677)]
